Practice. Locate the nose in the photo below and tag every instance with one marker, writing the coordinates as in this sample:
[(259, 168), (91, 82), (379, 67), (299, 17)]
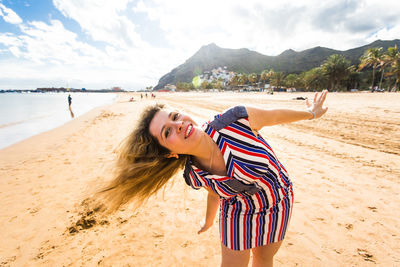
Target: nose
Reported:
[(178, 126)]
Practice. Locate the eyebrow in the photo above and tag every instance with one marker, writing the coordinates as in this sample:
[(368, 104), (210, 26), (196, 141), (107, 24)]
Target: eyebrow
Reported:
[(162, 128)]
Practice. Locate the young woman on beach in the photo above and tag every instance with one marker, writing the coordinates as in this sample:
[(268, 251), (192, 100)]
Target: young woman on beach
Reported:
[(230, 159)]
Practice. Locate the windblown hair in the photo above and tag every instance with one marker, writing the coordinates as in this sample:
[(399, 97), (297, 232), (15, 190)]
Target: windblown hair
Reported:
[(142, 167)]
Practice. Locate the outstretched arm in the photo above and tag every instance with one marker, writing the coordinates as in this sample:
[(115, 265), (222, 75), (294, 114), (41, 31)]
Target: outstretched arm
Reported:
[(259, 118), (212, 207)]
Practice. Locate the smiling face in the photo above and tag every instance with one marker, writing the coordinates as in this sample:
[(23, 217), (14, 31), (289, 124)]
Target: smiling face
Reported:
[(175, 131)]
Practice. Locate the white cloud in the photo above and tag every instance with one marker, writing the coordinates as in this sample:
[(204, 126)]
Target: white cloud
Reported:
[(105, 22), (15, 51), (387, 33), (41, 42), (9, 39), (269, 27), (51, 52), (9, 15)]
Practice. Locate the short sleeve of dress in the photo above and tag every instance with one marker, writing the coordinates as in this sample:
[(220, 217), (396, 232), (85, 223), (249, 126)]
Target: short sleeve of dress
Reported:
[(229, 116), (191, 178)]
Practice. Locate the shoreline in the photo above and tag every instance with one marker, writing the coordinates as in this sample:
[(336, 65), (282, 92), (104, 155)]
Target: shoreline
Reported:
[(344, 168), (56, 125)]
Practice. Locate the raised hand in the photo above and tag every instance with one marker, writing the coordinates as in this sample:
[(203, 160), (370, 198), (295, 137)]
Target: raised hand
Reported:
[(317, 106)]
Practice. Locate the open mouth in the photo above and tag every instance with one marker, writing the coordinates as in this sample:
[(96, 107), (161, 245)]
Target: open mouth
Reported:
[(189, 130)]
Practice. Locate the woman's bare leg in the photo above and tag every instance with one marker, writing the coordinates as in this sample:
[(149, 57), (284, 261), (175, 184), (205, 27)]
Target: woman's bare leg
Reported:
[(234, 258), (264, 256)]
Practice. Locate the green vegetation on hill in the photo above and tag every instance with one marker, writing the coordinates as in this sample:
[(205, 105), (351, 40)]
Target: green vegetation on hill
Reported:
[(246, 61)]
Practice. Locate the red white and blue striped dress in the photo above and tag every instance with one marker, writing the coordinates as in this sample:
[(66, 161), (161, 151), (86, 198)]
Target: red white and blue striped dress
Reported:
[(256, 196)]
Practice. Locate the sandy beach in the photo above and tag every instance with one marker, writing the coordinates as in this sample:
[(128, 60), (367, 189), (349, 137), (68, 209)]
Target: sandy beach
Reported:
[(345, 169)]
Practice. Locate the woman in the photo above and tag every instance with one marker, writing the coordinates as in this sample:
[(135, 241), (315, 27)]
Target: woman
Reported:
[(230, 160)]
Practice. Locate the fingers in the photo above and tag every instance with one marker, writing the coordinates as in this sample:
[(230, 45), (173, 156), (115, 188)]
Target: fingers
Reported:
[(203, 229), (203, 226), (326, 93), (318, 104), (315, 97), (323, 96)]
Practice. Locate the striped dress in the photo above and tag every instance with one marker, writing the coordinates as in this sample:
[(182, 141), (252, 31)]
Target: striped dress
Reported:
[(256, 196)]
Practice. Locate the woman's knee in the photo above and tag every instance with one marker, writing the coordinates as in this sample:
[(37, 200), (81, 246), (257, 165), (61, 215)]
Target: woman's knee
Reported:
[(234, 258), (265, 254)]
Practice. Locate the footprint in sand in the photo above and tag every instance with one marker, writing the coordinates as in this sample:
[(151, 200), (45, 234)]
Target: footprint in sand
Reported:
[(33, 210), (338, 251), (349, 226), (157, 235), (7, 261), (13, 218), (88, 218), (374, 209), (366, 255), (45, 251), (335, 206)]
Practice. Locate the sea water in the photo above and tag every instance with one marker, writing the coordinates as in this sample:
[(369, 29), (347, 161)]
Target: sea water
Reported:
[(26, 114)]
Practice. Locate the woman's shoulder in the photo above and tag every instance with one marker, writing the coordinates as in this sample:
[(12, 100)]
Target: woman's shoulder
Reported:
[(229, 116)]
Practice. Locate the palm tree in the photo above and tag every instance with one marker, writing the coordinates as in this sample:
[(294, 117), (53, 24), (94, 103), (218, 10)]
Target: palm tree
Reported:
[(253, 78), (395, 71), (205, 85), (291, 80), (315, 79), (270, 73), (234, 81), (354, 78), (277, 79), (242, 80), (372, 57), (391, 58), (336, 68), (264, 78)]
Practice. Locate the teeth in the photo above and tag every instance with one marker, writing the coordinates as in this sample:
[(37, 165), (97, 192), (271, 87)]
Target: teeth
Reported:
[(189, 129)]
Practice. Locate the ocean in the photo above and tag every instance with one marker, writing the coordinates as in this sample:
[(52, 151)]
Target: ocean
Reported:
[(23, 115)]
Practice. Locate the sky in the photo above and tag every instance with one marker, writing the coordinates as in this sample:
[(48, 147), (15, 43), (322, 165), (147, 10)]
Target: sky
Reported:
[(99, 44)]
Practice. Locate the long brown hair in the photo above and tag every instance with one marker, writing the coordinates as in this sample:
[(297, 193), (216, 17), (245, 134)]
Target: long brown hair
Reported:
[(142, 167)]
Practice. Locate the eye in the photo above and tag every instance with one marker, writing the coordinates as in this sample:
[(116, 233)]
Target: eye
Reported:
[(166, 132), (175, 116)]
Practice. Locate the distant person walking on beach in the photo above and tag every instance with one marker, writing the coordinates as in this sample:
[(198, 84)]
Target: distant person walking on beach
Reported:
[(226, 156), (69, 106)]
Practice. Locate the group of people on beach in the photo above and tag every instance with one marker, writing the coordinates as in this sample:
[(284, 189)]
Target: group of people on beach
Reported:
[(229, 158), (152, 95)]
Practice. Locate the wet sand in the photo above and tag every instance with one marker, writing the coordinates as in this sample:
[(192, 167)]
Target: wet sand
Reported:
[(345, 169)]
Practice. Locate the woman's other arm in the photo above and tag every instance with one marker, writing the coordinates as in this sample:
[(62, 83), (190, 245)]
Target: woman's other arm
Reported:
[(259, 118), (212, 207)]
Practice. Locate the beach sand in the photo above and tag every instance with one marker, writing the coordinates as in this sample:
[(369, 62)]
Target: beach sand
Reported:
[(345, 169)]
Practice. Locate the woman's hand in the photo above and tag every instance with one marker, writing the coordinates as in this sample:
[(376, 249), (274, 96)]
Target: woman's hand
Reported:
[(204, 226), (212, 207), (316, 107)]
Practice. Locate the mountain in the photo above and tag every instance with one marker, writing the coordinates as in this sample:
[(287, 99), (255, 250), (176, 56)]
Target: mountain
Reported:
[(246, 61)]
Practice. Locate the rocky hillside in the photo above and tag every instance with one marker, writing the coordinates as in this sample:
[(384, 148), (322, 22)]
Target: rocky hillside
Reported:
[(246, 61)]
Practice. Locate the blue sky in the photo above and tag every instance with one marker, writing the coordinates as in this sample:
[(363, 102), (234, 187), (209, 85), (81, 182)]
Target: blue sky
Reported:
[(132, 43)]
